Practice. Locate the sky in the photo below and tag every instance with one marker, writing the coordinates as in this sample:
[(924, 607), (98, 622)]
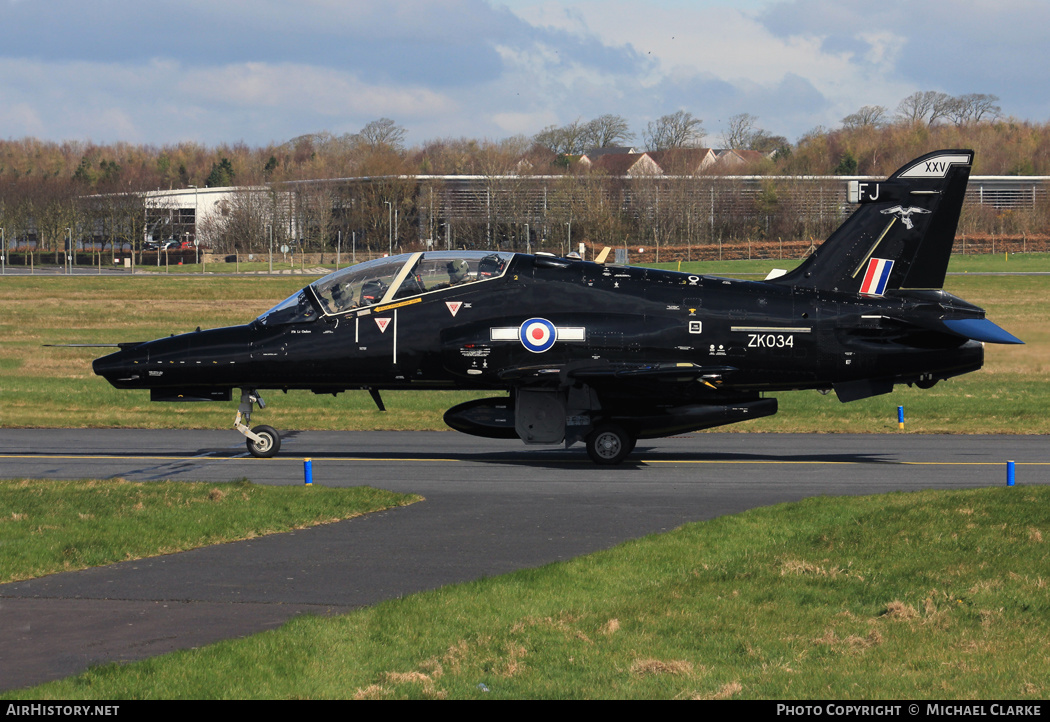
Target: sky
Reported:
[(265, 71)]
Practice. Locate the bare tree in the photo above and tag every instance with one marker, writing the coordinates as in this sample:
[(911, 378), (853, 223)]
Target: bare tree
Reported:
[(972, 107), (742, 134), (315, 204), (676, 130), (924, 106), (767, 142), (867, 117), (383, 133), (549, 138), (119, 218), (54, 212), (240, 224), (606, 130), (739, 131), (567, 139)]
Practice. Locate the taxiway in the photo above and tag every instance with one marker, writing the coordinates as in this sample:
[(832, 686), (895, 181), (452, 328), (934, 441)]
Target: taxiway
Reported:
[(490, 507)]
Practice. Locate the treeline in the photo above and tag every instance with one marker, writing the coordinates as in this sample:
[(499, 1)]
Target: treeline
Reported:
[(54, 193), (870, 141)]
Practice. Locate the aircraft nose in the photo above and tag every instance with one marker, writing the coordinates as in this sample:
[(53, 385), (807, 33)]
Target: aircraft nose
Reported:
[(218, 356), (123, 369)]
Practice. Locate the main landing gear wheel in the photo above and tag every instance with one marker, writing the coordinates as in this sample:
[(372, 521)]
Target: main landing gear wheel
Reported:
[(269, 442), (609, 444)]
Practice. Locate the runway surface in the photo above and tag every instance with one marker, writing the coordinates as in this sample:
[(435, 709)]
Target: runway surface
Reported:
[(491, 507)]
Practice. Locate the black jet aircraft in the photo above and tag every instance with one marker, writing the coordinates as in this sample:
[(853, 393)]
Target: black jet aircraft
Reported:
[(600, 353)]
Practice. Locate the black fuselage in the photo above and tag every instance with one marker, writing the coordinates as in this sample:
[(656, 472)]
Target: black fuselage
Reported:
[(772, 337), (608, 354)]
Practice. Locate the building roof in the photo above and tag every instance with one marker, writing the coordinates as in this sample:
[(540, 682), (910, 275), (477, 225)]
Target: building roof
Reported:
[(683, 161), (627, 164), (729, 158), (611, 150)]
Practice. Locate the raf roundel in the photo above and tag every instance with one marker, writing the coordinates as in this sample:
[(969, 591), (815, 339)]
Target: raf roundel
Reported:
[(537, 335)]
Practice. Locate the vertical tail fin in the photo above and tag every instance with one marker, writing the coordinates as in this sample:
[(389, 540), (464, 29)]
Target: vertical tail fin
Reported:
[(900, 237)]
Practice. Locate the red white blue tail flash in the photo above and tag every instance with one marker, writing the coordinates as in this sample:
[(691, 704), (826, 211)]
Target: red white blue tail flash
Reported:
[(876, 276)]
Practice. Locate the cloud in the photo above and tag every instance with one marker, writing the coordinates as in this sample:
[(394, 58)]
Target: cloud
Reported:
[(319, 92), (436, 42), (262, 70), (952, 47), (801, 63), (713, 60), (245, 70)]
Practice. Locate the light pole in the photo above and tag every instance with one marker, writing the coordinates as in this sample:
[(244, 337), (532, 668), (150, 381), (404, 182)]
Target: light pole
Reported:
[(3, 252), (270, 226), (69, 249), (390, 225), (195, 244)]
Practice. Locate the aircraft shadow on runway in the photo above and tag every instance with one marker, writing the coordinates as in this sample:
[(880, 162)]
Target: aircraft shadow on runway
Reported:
[(563, 458)]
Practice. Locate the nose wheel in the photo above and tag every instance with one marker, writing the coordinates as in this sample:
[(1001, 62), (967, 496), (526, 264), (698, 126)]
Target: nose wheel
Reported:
[(263, 441), (266, 444)]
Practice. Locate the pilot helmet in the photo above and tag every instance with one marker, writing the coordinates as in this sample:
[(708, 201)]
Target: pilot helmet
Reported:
[(490, 265), (372, 291), (457, 270)]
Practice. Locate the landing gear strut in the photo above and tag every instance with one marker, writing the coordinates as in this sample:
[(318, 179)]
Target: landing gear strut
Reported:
[(263, 441)]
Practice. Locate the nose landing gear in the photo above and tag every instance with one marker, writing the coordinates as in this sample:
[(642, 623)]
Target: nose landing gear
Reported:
[(263, 441)]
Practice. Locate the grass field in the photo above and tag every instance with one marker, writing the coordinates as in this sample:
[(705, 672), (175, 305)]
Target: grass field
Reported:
[(999, 263), (49, 526), (54, 387), (928, 595)]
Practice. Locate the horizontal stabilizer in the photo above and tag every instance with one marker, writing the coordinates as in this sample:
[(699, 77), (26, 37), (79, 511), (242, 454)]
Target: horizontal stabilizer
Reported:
[(980, 329)]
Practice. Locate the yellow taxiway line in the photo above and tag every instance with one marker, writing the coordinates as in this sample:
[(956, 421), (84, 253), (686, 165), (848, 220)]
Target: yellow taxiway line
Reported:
[(246, 457)]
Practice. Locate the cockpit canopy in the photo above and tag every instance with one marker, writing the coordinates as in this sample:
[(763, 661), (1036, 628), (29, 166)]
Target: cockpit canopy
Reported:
[(385, 279)]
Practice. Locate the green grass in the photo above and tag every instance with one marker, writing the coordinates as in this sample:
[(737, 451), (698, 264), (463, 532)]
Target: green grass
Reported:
[(998, 263), (310, 270), (49, 526), (55, 387), (940, 595)]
